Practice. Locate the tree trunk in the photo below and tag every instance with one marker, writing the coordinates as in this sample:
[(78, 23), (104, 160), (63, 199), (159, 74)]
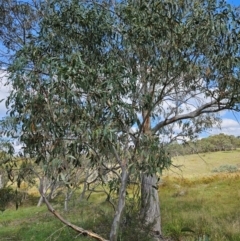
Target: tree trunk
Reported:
[(68, 196), (82, 195), (40, 201), (120, 207), (150, 206), (1, 182), (150, 209), (43, 187)]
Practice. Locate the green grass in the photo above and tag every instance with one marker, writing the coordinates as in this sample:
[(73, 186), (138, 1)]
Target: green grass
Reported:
[(29, 223), (200, 200), (208, 209), (37, 224), (194, 199)]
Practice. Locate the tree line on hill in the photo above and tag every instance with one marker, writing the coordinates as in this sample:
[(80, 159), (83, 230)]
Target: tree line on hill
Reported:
[(214, 143)]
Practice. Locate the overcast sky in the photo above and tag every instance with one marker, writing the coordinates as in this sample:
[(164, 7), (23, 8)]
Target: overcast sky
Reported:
[(230, 120)]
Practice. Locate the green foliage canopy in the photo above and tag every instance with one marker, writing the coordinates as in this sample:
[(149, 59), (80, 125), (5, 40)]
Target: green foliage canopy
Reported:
[(110, 82)]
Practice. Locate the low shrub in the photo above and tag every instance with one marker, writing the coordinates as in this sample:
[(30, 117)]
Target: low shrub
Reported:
[(6, 196), (226, 168)]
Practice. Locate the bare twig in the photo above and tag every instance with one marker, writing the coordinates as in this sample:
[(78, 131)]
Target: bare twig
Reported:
[(60, 229)]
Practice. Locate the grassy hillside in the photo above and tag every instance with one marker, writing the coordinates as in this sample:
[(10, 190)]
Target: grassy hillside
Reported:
[(196, 203), (209, 206), (199, 165), (196, 198)]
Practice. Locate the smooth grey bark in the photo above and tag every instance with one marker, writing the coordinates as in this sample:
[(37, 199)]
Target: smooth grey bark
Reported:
[(40, 201), (68, 196), (150, 209), (1, 182), (82, 195), (43, 187), (120, 206)]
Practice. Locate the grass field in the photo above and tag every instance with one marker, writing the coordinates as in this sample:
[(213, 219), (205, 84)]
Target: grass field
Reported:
[(206, 202), (196, 204), (200, 165)]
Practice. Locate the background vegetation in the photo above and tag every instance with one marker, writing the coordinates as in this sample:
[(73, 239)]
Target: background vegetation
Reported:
[(197, 204), (214, 143)]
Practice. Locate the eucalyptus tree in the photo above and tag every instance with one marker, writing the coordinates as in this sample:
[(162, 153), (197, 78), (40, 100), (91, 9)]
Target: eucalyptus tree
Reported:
[(114, 82), (187, 57), (67, 92)]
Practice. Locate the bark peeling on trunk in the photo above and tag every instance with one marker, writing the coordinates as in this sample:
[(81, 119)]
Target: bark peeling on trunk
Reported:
[(150, 209)]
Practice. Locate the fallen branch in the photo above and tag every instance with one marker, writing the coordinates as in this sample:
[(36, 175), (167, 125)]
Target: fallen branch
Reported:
[(70, 225)]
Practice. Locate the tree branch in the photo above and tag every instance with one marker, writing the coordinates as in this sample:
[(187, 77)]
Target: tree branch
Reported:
[(190, 115), (70, 225)]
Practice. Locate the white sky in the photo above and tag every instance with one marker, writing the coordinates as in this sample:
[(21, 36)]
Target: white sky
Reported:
[(230, 125), (4, 92)]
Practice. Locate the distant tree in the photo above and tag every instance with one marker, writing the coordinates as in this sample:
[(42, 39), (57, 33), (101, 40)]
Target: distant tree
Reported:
[(213, 143), (115, 82)]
